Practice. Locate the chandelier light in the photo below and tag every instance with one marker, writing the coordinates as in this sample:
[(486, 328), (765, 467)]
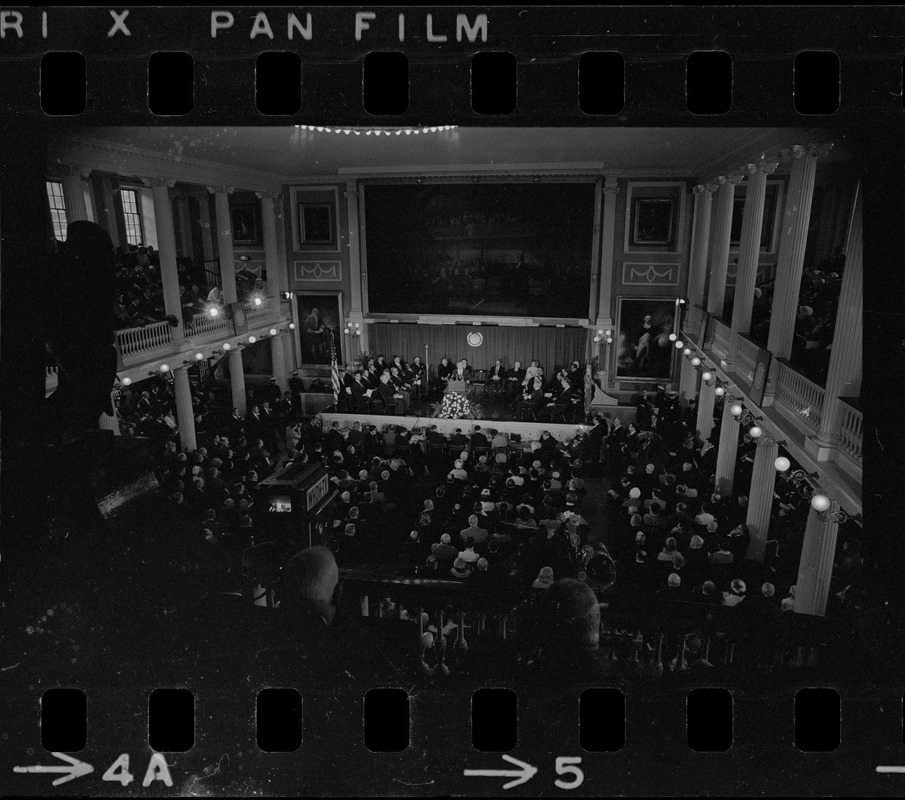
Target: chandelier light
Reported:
[(358, 131)]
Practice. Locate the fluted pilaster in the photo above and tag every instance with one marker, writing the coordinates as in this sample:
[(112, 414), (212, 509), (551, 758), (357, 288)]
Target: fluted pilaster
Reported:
[(700, 243), (688, 381), (224, 228), (166, 250), (719, 243), (269, 225), (792, 244), (185, 414), (815, 570), (760, 496), (749, 248), (237, 380), (844, 375), (279, 361), (725, 459), (706, 401), (607, 252)]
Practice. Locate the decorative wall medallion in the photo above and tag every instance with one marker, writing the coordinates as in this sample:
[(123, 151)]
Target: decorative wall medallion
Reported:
[(475, 339), (635, 274), (322, 271)]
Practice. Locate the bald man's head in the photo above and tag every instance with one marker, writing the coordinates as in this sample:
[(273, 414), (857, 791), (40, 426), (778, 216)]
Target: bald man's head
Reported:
[(311, 582)]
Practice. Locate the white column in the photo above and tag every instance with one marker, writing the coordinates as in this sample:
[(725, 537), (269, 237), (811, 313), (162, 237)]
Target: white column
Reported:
[(844, 375), (204, 213), (166, 247), (74, 194), (237, 379), (688, 381), (725, 458), (279, 361), (269, 225), (607, 254), (185, 414), (719, 243), (184, 225), (760, 495), (749, 248), (816, 566), (706, 401), (790, 258), (225, 241), (700, 243)]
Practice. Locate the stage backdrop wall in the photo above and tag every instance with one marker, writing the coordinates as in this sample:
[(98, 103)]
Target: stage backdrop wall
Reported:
[(553, 347)]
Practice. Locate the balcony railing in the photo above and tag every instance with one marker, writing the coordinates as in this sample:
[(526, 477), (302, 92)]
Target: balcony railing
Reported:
[(747, 356), (801, 396), (267, 309), (851, 422), (204, 324), (135, 341), (722, 337)]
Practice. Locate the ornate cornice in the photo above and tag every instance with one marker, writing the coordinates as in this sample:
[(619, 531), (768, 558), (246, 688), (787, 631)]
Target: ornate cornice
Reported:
[(157, 182), (97, 154)]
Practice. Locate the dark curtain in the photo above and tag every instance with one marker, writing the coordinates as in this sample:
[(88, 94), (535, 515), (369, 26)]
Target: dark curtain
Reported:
[(553, 347)]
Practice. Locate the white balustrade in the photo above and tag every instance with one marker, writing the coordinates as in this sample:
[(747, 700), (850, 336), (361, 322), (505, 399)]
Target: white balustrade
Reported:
[(799, 395), (747, 356), (255, 313), (134, 341), (722, 335), (851, 423), (203, 324)]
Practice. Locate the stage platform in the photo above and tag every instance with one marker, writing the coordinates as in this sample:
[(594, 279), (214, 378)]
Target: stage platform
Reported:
[(491, 414), (529, 431)]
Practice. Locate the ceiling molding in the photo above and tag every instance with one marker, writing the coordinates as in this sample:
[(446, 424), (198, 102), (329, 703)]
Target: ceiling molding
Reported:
[(749, 147), (102, 155), (548, 169)]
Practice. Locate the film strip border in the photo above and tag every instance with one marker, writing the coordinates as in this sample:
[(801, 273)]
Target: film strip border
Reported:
[(464, 740), (541, 65)]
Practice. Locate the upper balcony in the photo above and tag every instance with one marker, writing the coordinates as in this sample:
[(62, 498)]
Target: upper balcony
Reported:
[(796, 407), (150, 343)]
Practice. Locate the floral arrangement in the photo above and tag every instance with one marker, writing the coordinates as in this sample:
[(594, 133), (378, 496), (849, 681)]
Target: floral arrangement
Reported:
[(454, 406)]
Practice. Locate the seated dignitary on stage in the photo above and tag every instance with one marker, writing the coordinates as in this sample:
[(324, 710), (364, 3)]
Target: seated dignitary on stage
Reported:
[(389, 394)]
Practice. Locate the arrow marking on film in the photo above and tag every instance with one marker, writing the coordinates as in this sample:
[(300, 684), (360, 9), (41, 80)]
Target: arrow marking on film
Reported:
[(75, 768), (523, 774)]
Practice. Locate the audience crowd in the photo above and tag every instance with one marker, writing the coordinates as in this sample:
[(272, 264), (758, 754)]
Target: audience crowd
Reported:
[(503, 519)]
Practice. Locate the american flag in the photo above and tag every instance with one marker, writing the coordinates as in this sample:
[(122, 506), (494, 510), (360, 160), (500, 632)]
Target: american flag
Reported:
[(334, 372)]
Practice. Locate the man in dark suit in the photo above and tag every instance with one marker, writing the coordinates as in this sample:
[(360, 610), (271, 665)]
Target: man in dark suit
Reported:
[(514, 379), (532, 400), (457, 442), (392, 398), (478, 439), (359, 390)]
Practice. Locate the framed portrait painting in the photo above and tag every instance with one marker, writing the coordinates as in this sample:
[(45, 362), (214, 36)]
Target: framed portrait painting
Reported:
[(644, 352), (316, 225), (318, 321), (653, 221), (245, 223)]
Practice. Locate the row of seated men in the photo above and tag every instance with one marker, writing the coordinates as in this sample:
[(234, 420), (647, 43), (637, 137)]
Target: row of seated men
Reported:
[(380, 386)]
